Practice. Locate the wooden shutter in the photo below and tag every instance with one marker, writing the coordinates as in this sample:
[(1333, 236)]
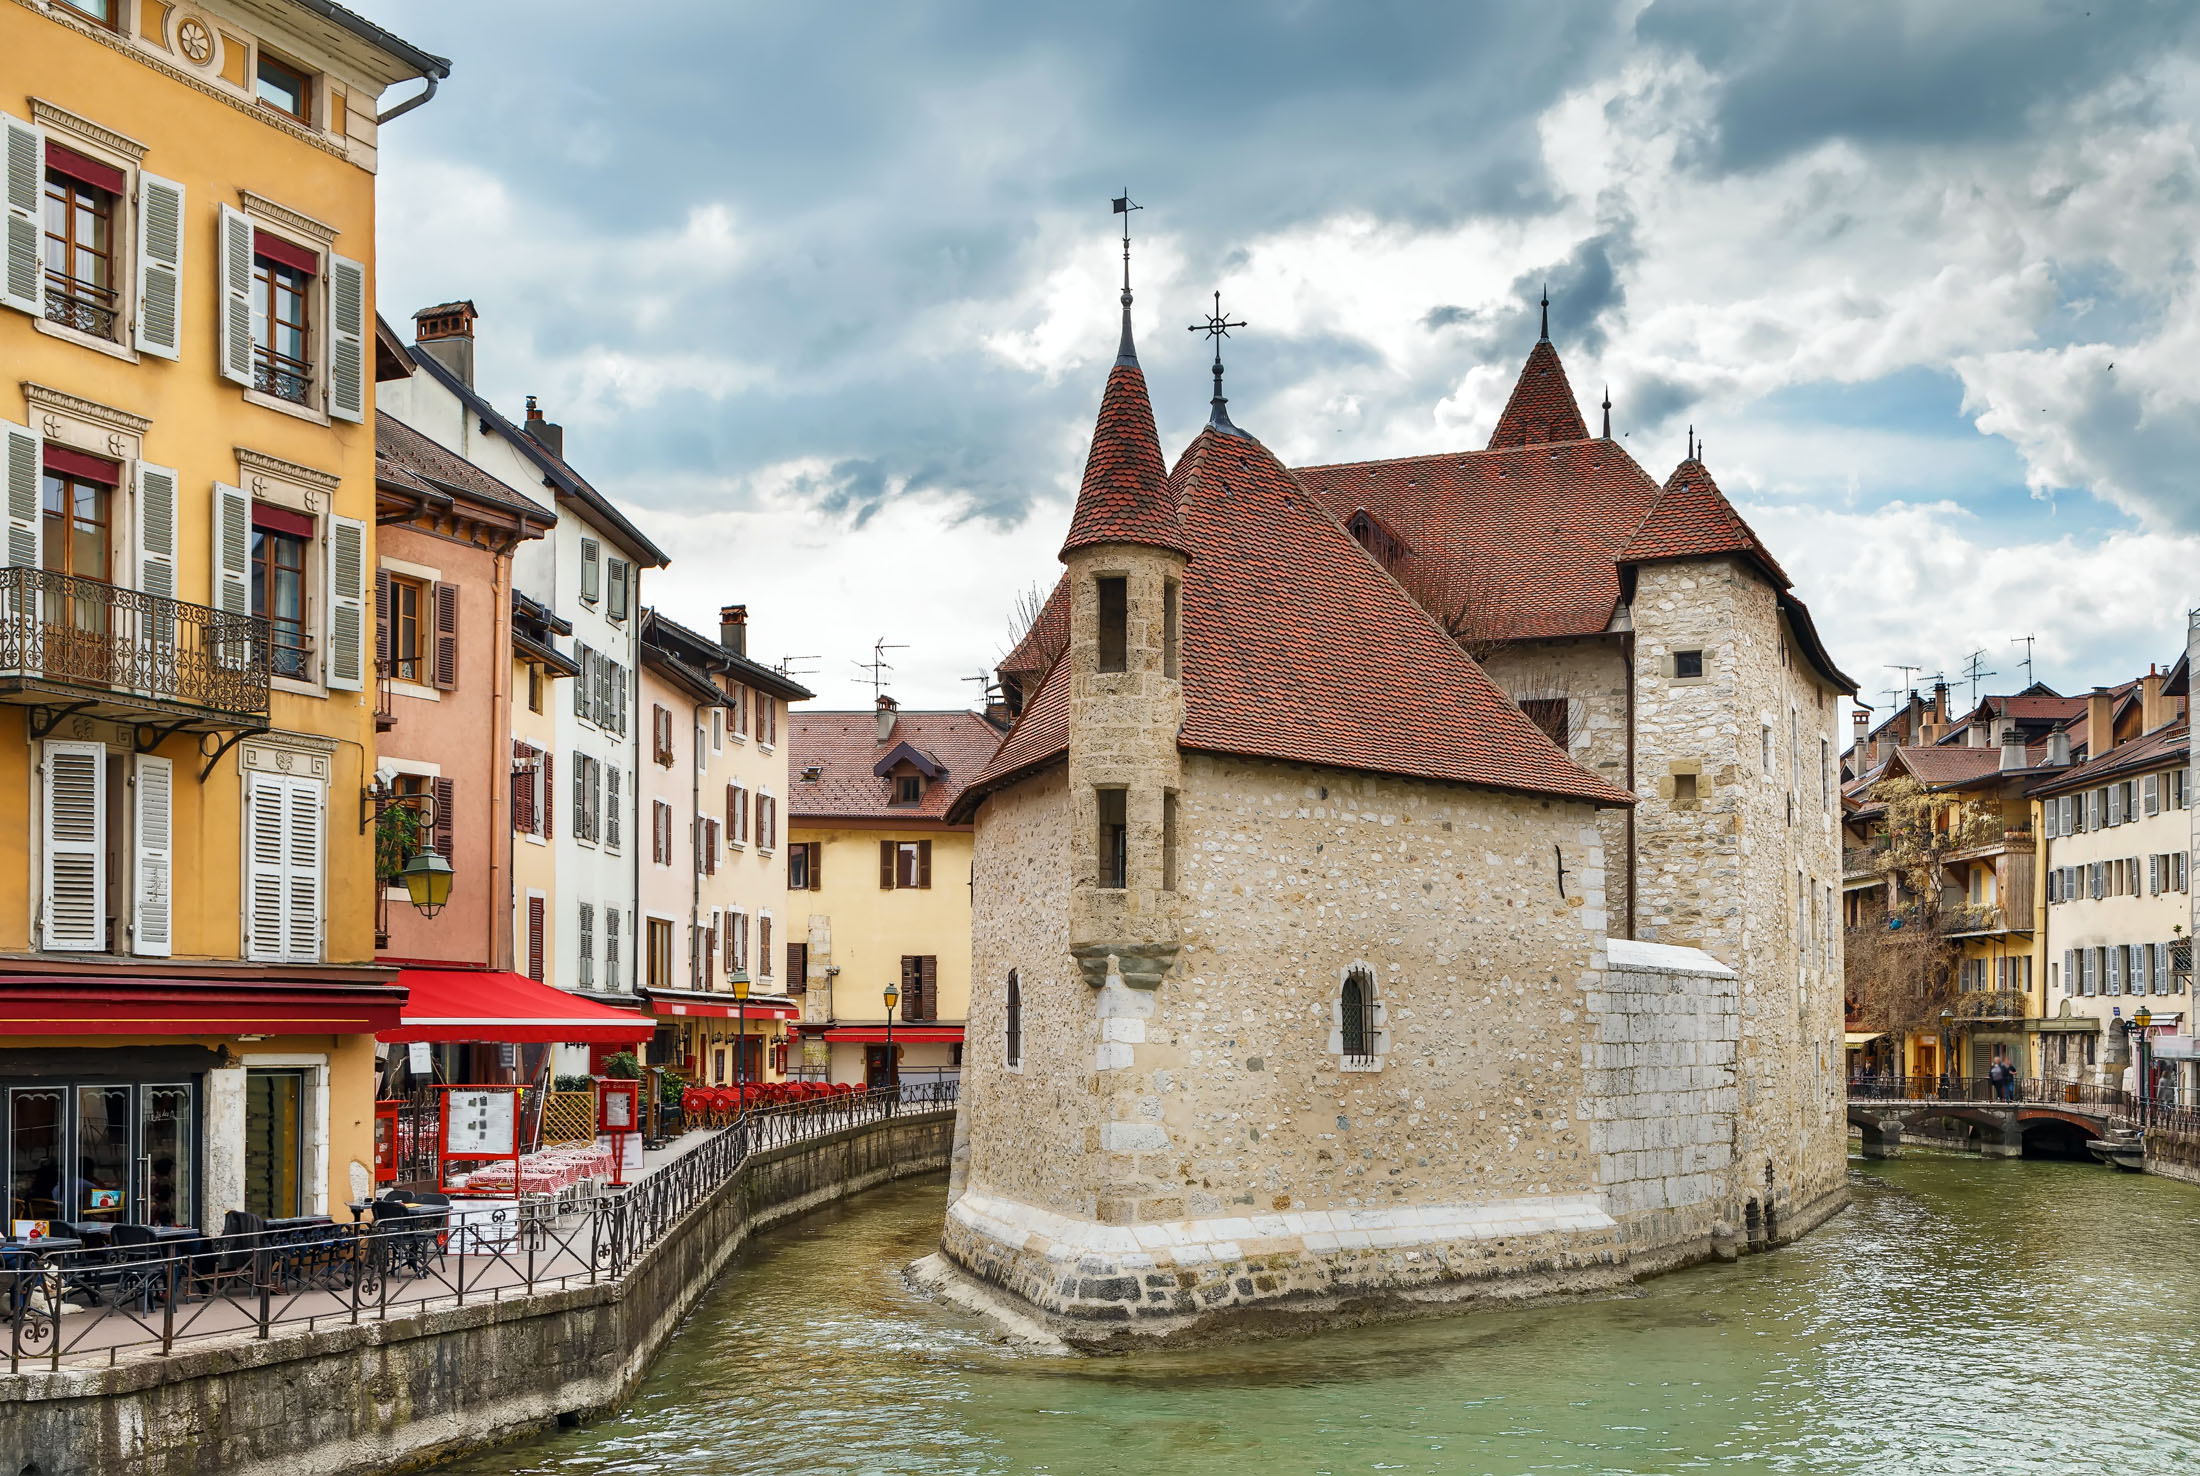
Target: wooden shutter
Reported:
[(584, 659), (153, 862), (235, 273), (764, 946), (549, 793), (924, 863), (25, 472), (303, 840), (264, 806), (535, 918), (580, 799), (156, 532), (798, 968), (928, 976), (886, 851), (733, 813), (76, 847), (617, 605), (446, 636), (346, 667), (22, 284), (523, 792), (817, 866), (347, 339), (710, 865), (232, 550), (446, 819), (611, 826), (160, 267), (2152, 789)]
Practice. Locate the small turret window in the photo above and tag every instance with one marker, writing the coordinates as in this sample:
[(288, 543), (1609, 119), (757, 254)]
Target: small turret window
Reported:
[(1688, 663), (1015, 1032), (1115, 619), (1171, 595), (1114, 838), (1168, 840)]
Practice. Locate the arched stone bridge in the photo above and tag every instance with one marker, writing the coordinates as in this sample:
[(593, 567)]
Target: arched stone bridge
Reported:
[(2000, 1127)]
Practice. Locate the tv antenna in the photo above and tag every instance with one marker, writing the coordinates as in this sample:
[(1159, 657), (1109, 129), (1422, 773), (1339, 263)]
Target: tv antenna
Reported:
[(874, 671), (786, 666), (1909, 676), (988, 690), (1974, 669), (2026, 642)]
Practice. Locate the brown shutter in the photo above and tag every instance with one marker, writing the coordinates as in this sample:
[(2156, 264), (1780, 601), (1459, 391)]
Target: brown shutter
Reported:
[(446, 636), (446, 823), (798, 968), (928, 971), (817, 866), (764, 946), (710, 837), (733, 813), (924, 863), (912, 988), (549, 793), (382, 620), (534, 938), (886, 866)]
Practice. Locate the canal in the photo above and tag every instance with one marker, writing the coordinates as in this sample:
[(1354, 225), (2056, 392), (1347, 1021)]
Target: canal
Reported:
[(1962, 1316)]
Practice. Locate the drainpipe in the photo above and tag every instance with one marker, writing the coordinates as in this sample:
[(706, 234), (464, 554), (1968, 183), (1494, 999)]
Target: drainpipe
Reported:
[(1627, 655), (500, 747), (390, 115)]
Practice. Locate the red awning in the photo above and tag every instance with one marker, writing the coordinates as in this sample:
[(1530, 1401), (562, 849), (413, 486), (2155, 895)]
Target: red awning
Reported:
[(488, 1005), (46, 1006), (689, 1007), (903, 1034)]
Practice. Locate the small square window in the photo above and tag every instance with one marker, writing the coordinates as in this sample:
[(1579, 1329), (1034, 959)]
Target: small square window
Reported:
[(908, 789), (102, 11), (1684, 789), (1688, 663), (284, 88)]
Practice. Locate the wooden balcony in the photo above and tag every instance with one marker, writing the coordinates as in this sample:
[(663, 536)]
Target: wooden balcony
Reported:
[(79, 647)]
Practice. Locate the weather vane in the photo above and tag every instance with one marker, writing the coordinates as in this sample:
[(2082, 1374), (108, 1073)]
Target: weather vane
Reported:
[(1217, 327), (1124, 205)]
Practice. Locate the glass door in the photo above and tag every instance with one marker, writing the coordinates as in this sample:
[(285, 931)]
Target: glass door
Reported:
[(100, 1186), (35, 1154), (164, 1156), (274, 1142)]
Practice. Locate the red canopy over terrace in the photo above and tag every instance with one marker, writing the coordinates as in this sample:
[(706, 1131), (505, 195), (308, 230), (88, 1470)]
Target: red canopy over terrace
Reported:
[(903, 1034), (186, 1006), (491, 1005)]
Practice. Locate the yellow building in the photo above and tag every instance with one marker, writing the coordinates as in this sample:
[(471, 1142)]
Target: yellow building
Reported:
[(188, 996), (879, 888)]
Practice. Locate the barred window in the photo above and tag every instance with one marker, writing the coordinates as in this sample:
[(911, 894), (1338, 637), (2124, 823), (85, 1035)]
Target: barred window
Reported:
[(1356, 1016), (1015, 1031)]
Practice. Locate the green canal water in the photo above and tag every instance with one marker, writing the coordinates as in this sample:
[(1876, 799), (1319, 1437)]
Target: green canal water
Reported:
[(1961, 1316)]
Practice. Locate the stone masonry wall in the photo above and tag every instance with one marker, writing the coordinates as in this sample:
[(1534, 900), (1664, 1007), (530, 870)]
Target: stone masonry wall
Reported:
[(1591, 675), (382, 1396), (1743, 870)]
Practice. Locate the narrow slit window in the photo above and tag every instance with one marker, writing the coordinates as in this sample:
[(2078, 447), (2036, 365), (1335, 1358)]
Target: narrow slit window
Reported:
[(1114, 839), (1015, 1030), (1355, 1010), (1168, 840), (1115, 616), (1172, 594)]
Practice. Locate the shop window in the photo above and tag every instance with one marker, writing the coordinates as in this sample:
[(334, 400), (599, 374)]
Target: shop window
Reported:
[(274, 1143)]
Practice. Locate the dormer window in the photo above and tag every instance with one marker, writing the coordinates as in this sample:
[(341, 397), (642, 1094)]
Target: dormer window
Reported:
[(284, 88), (908, 789)]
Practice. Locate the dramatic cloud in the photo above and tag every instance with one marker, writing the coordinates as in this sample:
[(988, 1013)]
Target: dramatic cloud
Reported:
[(827, 295)]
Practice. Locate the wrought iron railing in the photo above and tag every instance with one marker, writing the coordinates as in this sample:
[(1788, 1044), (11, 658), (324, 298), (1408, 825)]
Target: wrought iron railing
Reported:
[(286, 379), (1872, 1087), (124, 643), (153, 1293), (84, 306)]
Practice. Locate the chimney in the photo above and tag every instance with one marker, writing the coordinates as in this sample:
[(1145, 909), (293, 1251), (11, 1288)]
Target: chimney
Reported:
[(733, 628), (2100, 723), (1976, 736), (887, 707), (2012, 747), (445, 333), (2153, 711), (1860, 734), (2058, 749), (548, 432)]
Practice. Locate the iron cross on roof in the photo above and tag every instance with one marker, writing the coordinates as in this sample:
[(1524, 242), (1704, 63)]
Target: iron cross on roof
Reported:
[(1217, 327)]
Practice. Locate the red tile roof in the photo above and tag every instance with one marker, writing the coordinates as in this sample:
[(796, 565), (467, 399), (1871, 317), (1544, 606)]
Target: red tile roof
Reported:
[(1125, 496), (1524, 542), (2168, 745), (1542, 407), (1298, 646), (405, 456), (1693, 519), (1939, 767), (843, 746)]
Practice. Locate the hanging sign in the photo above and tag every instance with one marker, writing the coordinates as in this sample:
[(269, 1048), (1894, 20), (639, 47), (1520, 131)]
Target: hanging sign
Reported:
[(419, 1060)]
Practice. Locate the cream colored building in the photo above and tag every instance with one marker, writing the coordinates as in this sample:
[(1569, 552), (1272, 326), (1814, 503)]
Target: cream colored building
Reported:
[(883, 888), (714, 870)]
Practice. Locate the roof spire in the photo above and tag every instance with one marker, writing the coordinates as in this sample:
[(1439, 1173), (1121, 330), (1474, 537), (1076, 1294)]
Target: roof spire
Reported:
[(1546, 338), (1607, 412), (1126, 352), (1217, 327), (1691, 444)]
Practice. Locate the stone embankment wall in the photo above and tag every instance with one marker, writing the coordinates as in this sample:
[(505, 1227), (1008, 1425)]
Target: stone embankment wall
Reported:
[(382, 1396)]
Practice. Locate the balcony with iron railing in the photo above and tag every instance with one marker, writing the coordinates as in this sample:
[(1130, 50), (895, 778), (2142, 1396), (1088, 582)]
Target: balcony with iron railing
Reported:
[(85, 306), (1981, 919), (1981, 839), (81, 646)]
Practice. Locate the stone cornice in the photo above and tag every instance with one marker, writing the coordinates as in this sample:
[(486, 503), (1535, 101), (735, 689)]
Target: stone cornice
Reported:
[(282, 215), (52, 115), (138, 54), (285, 471), (82, 409)]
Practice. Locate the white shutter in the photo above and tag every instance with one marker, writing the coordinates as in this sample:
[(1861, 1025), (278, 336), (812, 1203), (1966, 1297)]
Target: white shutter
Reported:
[(236, 293), (160, 267), (76, 847), (23, 283), (2154, 875), (263, 866), (232, 550), (150, 908), (303, 831), (347, 338), (26, 527), (156, 530), (2153, 792), (347, 604)]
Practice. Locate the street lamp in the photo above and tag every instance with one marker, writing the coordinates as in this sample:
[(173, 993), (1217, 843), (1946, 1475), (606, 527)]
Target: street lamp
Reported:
[(427, 879), (893, 997), (2139, 1022), (1947, 1049), (740, 983)]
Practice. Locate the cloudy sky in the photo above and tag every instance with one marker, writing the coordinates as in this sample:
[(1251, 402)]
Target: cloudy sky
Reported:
[(826, 293)]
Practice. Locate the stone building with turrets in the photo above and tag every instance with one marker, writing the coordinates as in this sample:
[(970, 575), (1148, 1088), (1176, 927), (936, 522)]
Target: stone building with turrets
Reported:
[(1300, 987)]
